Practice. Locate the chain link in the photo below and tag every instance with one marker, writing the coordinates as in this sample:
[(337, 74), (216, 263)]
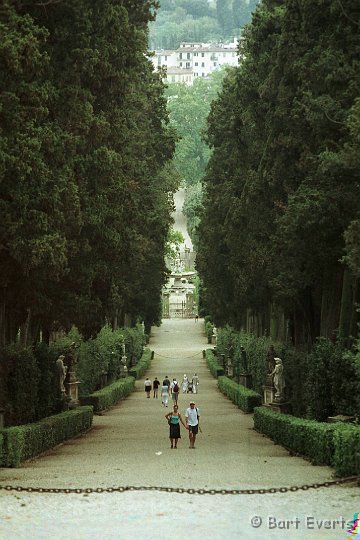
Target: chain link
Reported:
[(172, 357), (190, 491)]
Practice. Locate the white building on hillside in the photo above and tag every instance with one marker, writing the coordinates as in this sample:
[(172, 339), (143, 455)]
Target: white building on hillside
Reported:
[(193, 60)]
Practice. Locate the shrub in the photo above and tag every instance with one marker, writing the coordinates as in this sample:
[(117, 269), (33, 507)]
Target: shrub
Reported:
[(244, 398), (215, 369), (318, 386), (347, 450), (23, 376), (106, 397), (26, 441), (309, 438), (209, 329), (139, 369)]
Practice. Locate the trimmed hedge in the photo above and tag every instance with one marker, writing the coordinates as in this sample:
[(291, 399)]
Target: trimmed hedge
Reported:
[(243, 397), (347, 450), (139, 369), (29, 440), (104, 398), (215, 369), (309, 438)]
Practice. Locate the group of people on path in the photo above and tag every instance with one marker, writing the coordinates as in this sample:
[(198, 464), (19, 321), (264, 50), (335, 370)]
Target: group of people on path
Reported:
[(174, 418), (171, 388), (191, 423)]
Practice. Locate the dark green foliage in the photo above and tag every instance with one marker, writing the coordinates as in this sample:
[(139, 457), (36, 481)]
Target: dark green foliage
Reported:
[(308, 438), (209, 328), (83, 144), (244, 398), (142, 365), (322, 383), (318, 380), (23, 377), (347, 450), (27, 441), (103, 355), (110, 395), (215, 369), (282, 185)]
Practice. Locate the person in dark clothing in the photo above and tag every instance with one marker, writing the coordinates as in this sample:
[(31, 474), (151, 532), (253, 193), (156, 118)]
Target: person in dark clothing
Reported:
[(156, 384)]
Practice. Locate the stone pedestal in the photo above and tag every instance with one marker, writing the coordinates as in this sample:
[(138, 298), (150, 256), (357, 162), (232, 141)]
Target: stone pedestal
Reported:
[(213, 339), (280, 406), (72, 390), (124, 369), (245, 379), (269, 394)]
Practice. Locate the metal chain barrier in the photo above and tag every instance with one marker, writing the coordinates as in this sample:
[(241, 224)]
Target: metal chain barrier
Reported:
[(172, 357), (191, 491)]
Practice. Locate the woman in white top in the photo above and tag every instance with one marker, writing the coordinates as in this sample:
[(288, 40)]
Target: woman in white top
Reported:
[(185, 384), (165, 395)]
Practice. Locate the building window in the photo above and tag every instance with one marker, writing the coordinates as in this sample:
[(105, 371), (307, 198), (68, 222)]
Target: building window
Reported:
[(196, 63), (187, 65), (202, 64), (214, 63), (180, 55), (195, 53), (180, 64), (202, 54), (203, 74), (165, 58), (188, 56)]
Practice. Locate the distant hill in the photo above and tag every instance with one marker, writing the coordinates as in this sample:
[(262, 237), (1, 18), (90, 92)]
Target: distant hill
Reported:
[(199, 21)]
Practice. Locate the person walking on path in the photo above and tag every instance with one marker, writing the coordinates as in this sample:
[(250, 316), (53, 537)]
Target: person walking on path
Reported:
[(174, 389), (192, 423), (156, 384), (166, 382), (195, 383), (174, 418), (147, 385), (165, 395), (185, 384)]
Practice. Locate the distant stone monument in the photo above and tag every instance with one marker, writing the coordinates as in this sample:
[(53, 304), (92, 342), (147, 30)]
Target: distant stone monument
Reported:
[(245, 378), (123, 366), (279, 381), (279, 404), (61, 370), (71, 383)]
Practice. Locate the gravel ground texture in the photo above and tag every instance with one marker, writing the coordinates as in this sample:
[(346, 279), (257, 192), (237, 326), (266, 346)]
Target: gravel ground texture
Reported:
[(129, 446)]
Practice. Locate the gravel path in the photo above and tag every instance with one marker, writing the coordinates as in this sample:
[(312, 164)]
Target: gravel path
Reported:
[(129, 445)]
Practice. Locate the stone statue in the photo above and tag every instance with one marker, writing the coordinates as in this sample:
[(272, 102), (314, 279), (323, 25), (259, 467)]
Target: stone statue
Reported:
[(70, 361), (244, 364), (61, 370), (279, 381), (123, 349), (270, 359)]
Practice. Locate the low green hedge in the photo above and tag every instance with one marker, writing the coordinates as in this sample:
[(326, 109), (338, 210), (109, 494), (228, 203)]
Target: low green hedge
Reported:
[(243, 397), (109, 395), (139, 369), (215, 369), (29, 440), (309, 438), (347, 450)]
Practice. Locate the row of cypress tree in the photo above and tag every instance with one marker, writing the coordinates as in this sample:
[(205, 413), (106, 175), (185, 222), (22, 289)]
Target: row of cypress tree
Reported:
[(86, 194), (279, 242)]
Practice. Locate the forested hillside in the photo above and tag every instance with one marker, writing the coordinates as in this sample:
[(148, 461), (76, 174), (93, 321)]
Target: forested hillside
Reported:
[(84, 143), (199, 20), (279, 234)]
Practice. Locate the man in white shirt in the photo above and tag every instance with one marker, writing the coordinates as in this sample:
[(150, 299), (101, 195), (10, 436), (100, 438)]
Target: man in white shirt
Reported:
[(192, 423), (174, 389)]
